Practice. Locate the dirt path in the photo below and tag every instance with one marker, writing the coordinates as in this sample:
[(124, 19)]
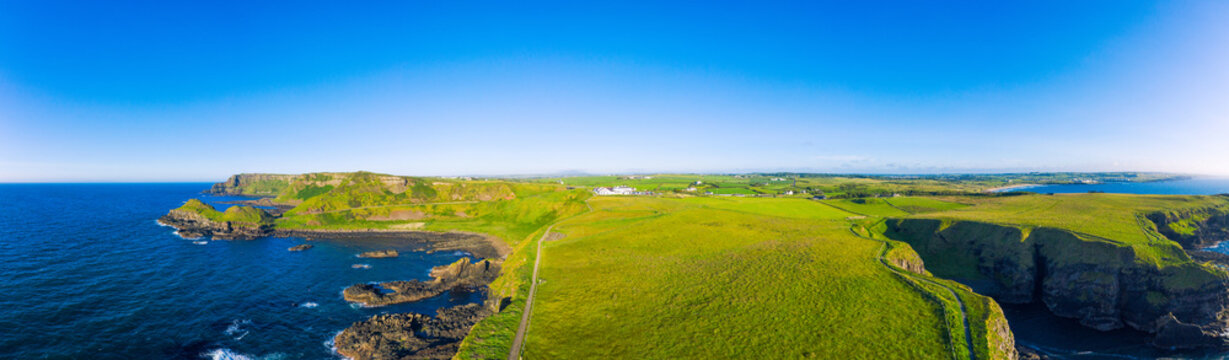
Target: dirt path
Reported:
[(515, 352)]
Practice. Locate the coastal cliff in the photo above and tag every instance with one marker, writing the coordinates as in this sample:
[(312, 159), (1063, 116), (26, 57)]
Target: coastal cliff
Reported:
[(197, 219), (253, 184), (1193, 228), (1104, 284)]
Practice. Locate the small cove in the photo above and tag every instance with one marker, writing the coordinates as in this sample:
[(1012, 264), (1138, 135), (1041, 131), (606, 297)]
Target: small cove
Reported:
[(92, 275)]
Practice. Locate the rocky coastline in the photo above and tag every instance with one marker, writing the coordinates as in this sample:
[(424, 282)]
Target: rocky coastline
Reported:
[(387, 336), (194, 225), (410, 335), (460, 275), (1097, 282)]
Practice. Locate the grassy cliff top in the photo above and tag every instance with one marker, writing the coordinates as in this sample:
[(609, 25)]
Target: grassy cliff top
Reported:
[(1111, 216), (724, 277), (237, 214), (1115, 218)]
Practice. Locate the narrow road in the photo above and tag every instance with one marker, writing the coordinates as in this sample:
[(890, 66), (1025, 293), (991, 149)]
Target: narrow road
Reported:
[(515, 352)]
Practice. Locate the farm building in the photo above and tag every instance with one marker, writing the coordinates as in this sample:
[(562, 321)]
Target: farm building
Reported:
[(617, 190)]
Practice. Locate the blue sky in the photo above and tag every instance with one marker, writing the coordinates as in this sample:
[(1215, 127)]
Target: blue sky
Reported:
[(158, 91)]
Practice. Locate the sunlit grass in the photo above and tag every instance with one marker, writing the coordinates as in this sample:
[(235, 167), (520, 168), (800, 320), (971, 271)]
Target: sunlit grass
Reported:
[(717, 278)]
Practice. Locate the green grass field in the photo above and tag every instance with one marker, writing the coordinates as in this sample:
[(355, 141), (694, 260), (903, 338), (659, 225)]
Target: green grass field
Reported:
[(686, 276), (708, 278), (867, 207)]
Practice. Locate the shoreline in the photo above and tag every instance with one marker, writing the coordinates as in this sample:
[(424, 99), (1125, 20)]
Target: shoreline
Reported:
[(1009, 187), (480, 245)]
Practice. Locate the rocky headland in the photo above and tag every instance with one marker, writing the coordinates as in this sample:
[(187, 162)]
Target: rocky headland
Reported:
[(410, 335), (196, 219), (1104, 284), (462, 274)]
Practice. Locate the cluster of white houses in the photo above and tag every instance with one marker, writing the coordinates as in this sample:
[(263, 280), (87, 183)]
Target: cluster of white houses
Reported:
[(619, 190)]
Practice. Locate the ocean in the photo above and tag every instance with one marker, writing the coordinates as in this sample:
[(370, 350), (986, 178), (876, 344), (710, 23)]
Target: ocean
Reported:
[(1193, 186), (88, 273)]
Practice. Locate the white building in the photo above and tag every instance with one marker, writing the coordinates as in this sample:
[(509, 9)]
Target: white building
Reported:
[(617, 190)]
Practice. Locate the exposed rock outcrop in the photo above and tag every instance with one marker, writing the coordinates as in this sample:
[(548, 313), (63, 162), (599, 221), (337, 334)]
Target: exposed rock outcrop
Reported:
[(380, 254), (461, 274), (300, 247), (410, 335), (480, 245), (1103, 284), (1193, 228)]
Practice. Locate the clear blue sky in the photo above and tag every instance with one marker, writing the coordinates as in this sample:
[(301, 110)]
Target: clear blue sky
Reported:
[(164, 91)]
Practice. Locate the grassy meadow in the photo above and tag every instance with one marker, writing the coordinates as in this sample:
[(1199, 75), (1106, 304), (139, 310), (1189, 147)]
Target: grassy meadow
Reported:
[(725, 278)]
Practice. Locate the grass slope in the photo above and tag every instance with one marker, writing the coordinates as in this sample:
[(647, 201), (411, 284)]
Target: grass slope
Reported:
[(724, 278)]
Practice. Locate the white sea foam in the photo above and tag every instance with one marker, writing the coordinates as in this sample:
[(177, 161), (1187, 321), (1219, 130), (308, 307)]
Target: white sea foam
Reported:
[(333, 346), (236, 327), (360, 266), (225, 354), (309, 305), (228, 354), (176, 232), (200, 242)]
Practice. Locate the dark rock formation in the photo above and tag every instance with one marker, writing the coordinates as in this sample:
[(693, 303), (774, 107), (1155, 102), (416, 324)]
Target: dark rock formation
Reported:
[(1027, 353), (300, 247), (1172, 333), (459, 275), (194, 225), (1099, 282), (1203, 227), (410, 335), (380, 254)]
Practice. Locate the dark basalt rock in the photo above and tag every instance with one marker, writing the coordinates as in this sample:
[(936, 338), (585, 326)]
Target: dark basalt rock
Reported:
[(300, 247), (1212, 228), (410, 335), (1174, 334), (193, 225), (459, 275), (1095, 281)]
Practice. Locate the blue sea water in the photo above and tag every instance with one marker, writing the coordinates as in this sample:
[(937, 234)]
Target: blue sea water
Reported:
[(1193, 186), (88, 273)]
